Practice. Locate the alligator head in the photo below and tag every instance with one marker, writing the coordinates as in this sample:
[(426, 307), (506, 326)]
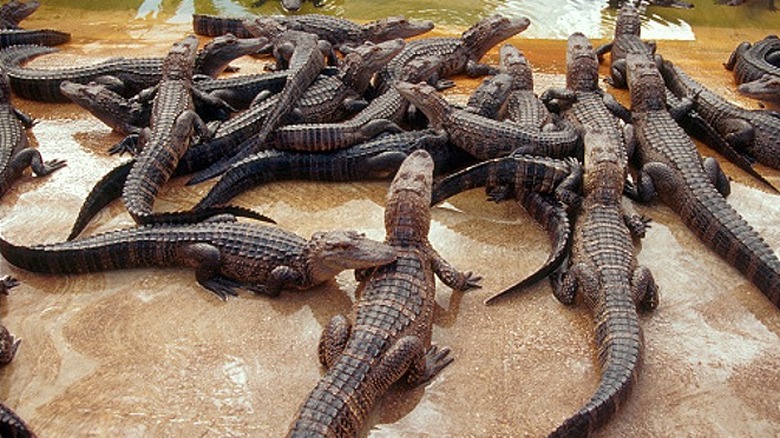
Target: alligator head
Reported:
[(582, 65), (215, 56), (486, 33), (407, 210), (648, 91), (395, 27), (514, 62), (330, 252), (765, 88)]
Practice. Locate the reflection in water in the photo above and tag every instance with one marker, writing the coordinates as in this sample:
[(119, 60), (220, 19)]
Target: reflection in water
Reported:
[(596, 19)]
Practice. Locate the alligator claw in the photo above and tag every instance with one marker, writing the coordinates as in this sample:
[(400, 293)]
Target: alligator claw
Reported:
[(52, 165), (6, 283), (471, 281), (435, 360), (128, 145), (221, 287)]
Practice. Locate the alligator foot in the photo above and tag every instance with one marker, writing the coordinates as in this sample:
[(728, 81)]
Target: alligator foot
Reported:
[(128, 145), (6, 283), (436, 359)]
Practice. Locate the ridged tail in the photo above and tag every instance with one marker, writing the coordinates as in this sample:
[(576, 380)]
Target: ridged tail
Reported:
[(43, 37), (478, 175), (11, 425), (620, 352)]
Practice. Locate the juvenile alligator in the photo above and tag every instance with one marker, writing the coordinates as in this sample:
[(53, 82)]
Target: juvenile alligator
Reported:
[(671, 169), (390, 336), (604, 270), (10, 423), (770, 4), (43, 37), (303, 55), (171, 128), (482, 137), (523, 106), (225, 255), (378, 158), (755, 75), (13, 12), (489, 97), (291, 5), (752, 133), (458, 55), (126, 76), (541, 185), (627, 39), (16, 155), (341, 33), (583, 102)]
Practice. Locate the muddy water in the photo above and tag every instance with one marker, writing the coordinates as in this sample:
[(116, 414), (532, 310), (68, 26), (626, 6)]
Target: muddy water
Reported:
[(150, 353)]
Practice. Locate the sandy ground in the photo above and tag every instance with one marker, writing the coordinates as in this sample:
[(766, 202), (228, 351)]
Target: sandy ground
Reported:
[(150, 353)]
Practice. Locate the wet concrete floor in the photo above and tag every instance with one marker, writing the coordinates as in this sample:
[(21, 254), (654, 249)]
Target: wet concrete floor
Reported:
[(150, 353)]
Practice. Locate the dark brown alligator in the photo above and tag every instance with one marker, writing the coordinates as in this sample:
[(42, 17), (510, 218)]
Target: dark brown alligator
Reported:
[(489, 97), (756, 76), (16, 155), (755, 134), (171, 128), (226, 255), (378, 158), (770, 3), (483, 137), (10, 423), (604, 270), (303, 55), (541, 185), (13, 12), (127, 76), (290, 5), (627, 39), (43, 37), (341, 33), (390, 336), (672, 170), (523, 106), (583, 102), (458, 55)]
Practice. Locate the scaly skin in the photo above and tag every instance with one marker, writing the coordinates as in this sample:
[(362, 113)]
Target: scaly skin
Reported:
[(172, 125), (627, 39), (753, 133), (375, 159), (42, 37), (16, 155), (523, 106), (487, 99), (458, 55), (339, 32), (224, 255), (126, 76), (671, 169), (604, 270), (482, 137), (586, 105), (390, 333), (303, 55), (13, 12), (755, 75)]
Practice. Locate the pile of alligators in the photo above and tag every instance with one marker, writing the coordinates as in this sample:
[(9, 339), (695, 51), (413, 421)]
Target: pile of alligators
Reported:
[(349, 102)]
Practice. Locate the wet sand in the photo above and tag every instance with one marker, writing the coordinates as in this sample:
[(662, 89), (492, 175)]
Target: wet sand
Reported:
[(151, 353)]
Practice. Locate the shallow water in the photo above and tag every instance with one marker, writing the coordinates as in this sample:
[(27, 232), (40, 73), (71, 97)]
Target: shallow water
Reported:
[(150, 353)]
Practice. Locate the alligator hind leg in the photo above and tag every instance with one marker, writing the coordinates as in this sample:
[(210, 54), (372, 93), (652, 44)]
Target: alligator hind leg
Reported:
[(8, 346), (578, 276), (644, 289), (716, 175), (206, 260), (333, 340), (737, 132), (408, 356), (7, 283), (636, 224), (30, 157)]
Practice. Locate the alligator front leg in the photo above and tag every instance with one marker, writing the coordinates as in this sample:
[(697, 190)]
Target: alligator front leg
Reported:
[(637, 225), (653, 178), (476, 69), (280, 277), (206, 260), (333, 340), (738, 133), (408, 356), (449, 275), (7, 283)]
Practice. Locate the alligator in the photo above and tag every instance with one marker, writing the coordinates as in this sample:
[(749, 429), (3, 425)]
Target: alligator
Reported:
[(458, 55), (770, 3), (583, 102), (523, 106), (10, 423), (604, 270), (755, 134), (341, 33), (16, 155), (127, 76), (225, 254), (43, 37), (482, 137), (375, 159), (541, 185), (303, 55), (627, 39), (171, 128), (489, 97), (671, 169), (390, 336), (291, 5), (756, 76), (13, 12)]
